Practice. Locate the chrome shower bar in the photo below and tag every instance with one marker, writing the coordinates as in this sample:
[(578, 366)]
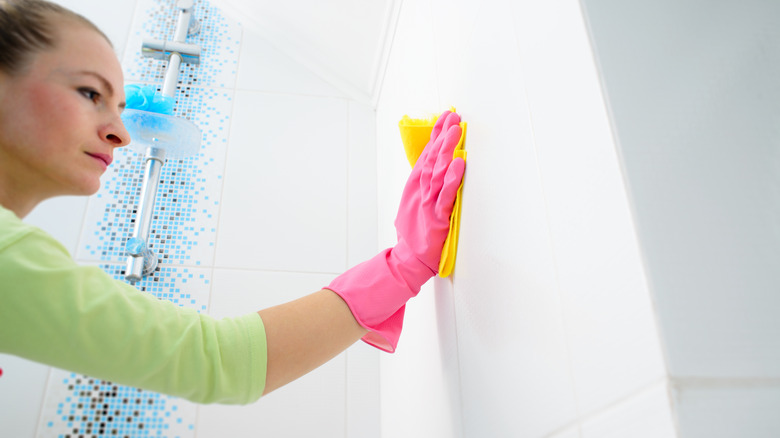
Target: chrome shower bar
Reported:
[(141, 260)]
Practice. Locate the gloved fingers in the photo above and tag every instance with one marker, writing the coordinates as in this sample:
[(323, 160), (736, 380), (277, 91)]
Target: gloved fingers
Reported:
[(431, 149), (437, 127), (444, 157), (449, 190), (432, 153)]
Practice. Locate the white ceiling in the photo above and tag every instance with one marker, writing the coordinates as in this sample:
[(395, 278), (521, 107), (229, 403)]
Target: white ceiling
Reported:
[(346, 42)]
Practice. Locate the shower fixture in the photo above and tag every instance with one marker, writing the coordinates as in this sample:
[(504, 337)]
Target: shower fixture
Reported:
[(159, 136)]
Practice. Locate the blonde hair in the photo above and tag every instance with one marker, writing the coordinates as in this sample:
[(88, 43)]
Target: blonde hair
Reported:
[(28, 27)]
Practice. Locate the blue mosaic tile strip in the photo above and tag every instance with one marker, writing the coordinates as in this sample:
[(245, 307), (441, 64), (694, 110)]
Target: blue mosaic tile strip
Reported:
[(90, 407), (186, 287), (219, 39)]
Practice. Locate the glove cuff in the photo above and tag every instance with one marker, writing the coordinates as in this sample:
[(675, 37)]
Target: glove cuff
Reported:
[(377, 290)]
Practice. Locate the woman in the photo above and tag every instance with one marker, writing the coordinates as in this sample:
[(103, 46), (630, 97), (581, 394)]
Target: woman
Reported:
[(61, 97)]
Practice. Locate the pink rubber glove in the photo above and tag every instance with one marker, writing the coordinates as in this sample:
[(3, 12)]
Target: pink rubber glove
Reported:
[(376, 291)]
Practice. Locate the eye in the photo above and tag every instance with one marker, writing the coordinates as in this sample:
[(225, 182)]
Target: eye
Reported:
[(90, 93)]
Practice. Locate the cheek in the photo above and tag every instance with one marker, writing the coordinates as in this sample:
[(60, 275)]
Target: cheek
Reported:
[(50, 117)]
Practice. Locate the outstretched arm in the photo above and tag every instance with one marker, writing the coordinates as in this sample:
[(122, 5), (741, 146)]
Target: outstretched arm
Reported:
[(304, 334), (368, 301)]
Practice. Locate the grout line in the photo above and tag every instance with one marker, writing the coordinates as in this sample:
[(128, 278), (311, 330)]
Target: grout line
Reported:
[(625, 398), (224, 176), (346, 255), (388, 42), (457, 355), (43, 402), (579, 421), (346, 393), (350, 147), (723, 382)]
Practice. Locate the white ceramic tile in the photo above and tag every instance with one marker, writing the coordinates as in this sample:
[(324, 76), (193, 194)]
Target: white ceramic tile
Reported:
[(284, 204), (237, 292), (262, 67), (314, 405), (362, 183), (646, 414), (61, 217), (363, 395), (22, 388), (421, 380), (697, 137), (607, 307), (728, 409), (567, 432), (453, 25), (114, 21)]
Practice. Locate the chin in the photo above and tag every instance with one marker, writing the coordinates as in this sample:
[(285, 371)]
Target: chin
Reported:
[(85, 188)]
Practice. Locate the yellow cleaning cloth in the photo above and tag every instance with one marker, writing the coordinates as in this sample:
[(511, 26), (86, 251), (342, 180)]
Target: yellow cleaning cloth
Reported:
[(415, 134)]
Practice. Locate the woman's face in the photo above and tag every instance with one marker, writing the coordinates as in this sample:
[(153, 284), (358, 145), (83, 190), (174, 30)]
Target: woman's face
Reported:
[(60, 119)]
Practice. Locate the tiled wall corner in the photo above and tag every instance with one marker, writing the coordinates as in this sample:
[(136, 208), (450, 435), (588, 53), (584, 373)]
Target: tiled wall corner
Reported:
[(645, 414)]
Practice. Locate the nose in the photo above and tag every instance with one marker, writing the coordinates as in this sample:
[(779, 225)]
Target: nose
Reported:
[(115, 133)]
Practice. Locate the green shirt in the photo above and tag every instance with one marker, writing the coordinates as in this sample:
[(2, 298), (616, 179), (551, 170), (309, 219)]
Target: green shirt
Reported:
[(80, 319)]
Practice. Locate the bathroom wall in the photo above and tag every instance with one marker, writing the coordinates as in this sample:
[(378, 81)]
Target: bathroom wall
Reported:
[(693, 91), (546, 327), (280, 198), (615, 269)]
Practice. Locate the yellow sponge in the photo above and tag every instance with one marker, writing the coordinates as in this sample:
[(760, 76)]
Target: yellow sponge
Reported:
[(415, 134)]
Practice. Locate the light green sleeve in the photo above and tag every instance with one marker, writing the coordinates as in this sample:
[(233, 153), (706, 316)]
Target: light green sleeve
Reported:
[(80, 319)]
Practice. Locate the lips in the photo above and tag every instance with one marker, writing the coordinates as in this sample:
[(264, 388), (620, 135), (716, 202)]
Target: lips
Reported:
[(105, 158)]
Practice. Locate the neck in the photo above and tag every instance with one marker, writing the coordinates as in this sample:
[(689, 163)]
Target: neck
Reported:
[(17, 193), (16, 201)]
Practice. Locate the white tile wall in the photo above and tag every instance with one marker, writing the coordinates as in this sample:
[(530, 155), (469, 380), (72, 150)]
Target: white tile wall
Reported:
[(114, 21), (606, 303), (69, 213), (553, 316), (22, 389), (262, 67), (284, 204), (568, 432), (362, 184)]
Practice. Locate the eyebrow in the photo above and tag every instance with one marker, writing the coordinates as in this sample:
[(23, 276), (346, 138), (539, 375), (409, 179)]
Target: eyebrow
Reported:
[(103, 81)]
